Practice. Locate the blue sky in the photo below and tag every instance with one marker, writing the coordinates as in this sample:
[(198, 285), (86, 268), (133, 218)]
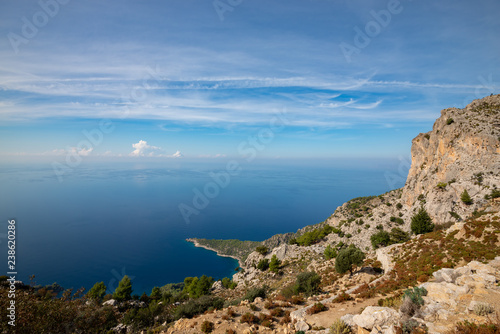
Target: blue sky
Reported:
[(186, 79)]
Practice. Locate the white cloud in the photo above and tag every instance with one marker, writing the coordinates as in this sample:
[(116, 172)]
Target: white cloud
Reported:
[(177, 154), (143, 149)]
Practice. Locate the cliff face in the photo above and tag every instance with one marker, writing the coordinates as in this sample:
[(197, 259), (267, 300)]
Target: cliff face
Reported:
[(462, 152)]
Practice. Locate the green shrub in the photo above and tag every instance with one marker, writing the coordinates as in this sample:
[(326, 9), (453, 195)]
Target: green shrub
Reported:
[(330, 252), (263, 250), (124, 289), (380, 239), (275, 264), (441, 185), (228, 283), (348, 258), (449, 121), (197, 306), (254, 293), (263, 264), (97, 292), (314, 236), (399, 206), (466, 199), (415, 295), (196, 287), (397, 236), (207, 326), (307, 283), (421, 222)]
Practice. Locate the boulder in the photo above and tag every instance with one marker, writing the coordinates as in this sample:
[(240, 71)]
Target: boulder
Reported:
[(446, 274), (111, 302), (302, 326), (217, 286), (373, 315), (481, 268)]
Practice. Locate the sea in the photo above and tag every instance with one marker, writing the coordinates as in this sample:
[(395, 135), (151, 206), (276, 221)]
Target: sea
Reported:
[(100, 221)]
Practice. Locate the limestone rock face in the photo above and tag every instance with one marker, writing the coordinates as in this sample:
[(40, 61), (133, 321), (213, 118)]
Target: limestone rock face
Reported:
[(373, 315), (462, 152)]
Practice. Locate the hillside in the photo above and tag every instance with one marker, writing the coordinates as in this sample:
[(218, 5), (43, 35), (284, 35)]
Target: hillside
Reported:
[(421, 259)]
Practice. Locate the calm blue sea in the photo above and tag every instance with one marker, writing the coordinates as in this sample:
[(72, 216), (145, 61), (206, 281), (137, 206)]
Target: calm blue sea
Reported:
[(107, 220)]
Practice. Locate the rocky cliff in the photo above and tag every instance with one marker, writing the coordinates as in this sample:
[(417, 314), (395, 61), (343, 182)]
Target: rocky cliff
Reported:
[(461, 152)]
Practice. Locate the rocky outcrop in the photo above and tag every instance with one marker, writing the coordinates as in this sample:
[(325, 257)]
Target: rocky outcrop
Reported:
[(462, 152), (452, 296)]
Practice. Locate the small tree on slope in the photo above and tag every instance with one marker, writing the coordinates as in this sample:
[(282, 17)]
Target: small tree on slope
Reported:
[(421, 222)]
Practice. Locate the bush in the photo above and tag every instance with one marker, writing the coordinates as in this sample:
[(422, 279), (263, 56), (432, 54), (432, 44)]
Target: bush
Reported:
[(228, 283), (399, 206), (263, 264), (254, 293), (197, 306), (124, 289), (314, 236), (348, 258), (343, 297), (466, 198), (340, 327), (483, 309), (415, 295), (397, 236), (263, 250), (249, 318), (330, 252), (380, 239), (207, 326), (449, 121), (277, 312), (441, 185), (275, 264), (421, 222), (412, 300), (316, 308), (197, 287), (308, 283), (267, 323), (97, 292)]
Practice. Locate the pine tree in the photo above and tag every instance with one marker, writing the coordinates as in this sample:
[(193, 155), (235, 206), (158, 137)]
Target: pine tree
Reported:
[(275, 264), (124, 289), (97, 292), (466, 198), (421, 222)]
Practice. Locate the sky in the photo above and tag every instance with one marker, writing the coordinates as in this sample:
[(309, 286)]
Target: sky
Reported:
[(208, 80)]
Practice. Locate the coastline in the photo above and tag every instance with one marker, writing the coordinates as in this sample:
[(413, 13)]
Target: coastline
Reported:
[(197, 244)]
